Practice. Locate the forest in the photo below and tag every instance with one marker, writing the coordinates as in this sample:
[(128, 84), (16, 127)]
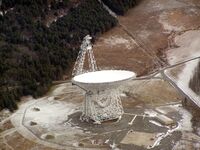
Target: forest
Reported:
[(32, 55)]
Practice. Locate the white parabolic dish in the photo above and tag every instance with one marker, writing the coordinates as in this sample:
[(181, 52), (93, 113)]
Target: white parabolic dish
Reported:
[(103, 79)]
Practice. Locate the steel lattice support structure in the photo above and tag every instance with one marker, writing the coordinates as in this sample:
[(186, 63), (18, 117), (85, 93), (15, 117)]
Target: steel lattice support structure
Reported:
[(85, 48)]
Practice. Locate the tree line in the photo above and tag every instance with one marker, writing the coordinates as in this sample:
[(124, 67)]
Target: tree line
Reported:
[(120, 6)]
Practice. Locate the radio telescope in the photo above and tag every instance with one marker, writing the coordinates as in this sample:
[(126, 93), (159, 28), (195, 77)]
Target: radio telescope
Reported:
[(102, 98)]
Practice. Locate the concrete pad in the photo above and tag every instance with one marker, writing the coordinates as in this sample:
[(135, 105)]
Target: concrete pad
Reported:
[(164, 120), (165, 109), (139, 138)]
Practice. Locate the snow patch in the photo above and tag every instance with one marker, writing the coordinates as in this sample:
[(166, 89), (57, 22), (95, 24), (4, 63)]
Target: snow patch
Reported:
[(166, 25), (52, 113), (165, 109), (150, 113), (123, 95), (117, 40), (155, 5), (114, 146), (189, 48), (185, 123), (184, 79), (156, 123)]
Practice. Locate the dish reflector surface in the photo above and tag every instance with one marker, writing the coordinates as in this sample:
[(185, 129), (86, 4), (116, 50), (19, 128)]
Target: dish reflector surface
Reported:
[(104, 76)]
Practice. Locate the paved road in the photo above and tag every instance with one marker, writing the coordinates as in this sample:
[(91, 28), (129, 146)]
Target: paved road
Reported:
[(172, 81)]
